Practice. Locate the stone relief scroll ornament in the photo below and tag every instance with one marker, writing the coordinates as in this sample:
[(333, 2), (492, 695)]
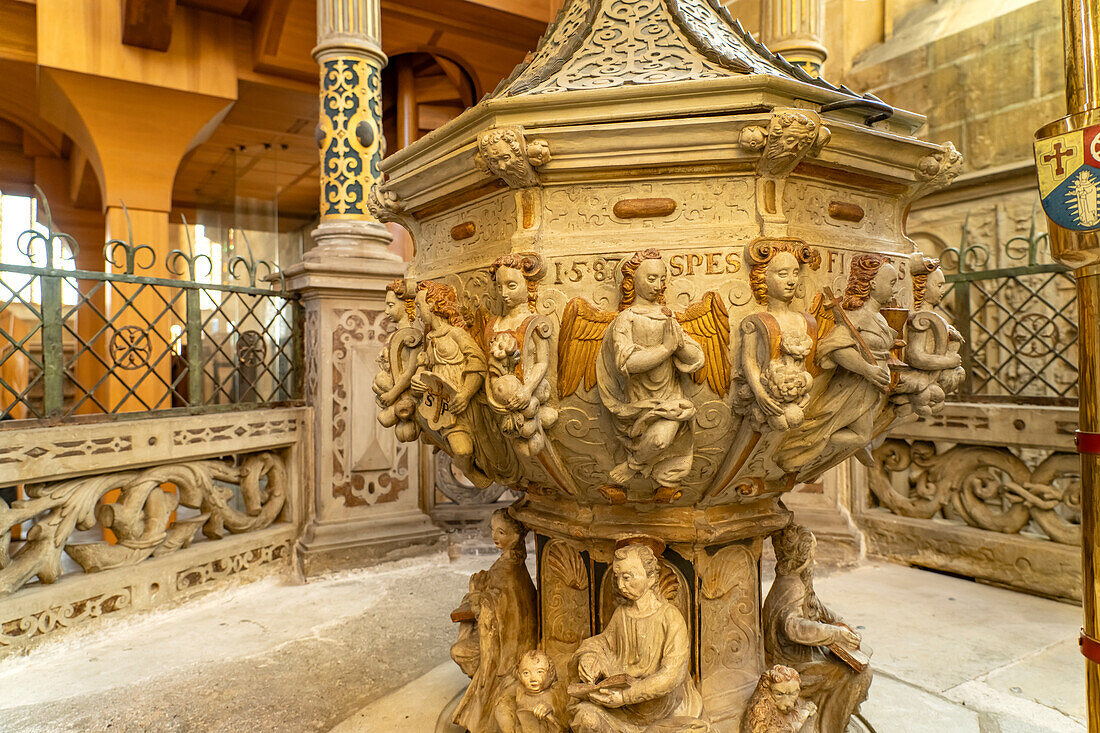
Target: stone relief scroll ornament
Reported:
[(801, 633), (854, 355), (448, 380), (519, 350), (775, 705), (640, 359), (773, 385), (505, 153), (934, 365), (634, 676), (397, 363), (497, 620), (383, 204), (937, 170)]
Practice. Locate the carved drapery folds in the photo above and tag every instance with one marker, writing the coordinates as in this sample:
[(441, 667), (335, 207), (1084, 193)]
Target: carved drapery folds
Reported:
[(140, 518), (506, 153), (984, 487)]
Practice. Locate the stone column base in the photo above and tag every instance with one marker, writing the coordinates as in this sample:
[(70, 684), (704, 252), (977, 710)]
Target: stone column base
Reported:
[(343, 545)]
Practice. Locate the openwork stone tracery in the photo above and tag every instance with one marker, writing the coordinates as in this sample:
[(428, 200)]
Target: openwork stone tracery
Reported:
[(651, 345)]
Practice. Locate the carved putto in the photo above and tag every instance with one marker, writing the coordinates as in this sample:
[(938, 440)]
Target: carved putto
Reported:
[(538, 706), (773, 385), (504, 152), (775, 705)]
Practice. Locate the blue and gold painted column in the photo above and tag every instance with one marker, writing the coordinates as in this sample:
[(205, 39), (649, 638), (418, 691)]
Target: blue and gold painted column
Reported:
[(795, 28), (349, 131)]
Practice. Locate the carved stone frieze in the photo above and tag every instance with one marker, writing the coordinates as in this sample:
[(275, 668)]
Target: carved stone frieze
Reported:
[(18, 632), (220, 568), (507, 154), (141, 516)]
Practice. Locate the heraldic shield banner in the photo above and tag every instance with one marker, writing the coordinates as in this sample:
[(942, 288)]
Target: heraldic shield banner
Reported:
[(1069, 178)]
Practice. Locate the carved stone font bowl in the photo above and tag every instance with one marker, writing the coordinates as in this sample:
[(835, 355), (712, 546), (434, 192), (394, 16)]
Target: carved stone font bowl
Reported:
[(660, 278)]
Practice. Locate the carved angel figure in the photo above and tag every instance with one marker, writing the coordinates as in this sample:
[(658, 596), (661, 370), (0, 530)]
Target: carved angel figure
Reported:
[(932, 344), (772, 384), (640, 360), (450, 372), (519, 354), (801, 633), (397, 363), (497, 619), (775, 706), (634, 675), (841, 417)]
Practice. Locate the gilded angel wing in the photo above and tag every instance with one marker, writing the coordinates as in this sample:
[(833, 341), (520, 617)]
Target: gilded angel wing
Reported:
[(579, 340), (822, 311), (477, 321), (708, 322)]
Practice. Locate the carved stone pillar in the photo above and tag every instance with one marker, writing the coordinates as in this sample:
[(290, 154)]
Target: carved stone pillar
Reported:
[(366, 503), (795, 29)]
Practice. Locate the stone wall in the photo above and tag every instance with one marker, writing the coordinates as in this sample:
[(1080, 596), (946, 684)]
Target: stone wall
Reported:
[(985, 84)]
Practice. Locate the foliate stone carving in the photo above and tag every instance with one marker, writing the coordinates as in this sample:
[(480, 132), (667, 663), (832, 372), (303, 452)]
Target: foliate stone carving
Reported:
[(729, 635), (505, 153), (564, 586), (635, 673), (224, 567), (639, 359), (938, 170), (775, 705), (497, 620), (140, 518), (17, 632), (984, 487), (802, 633), (383, 203), (773, 384), (934, 366)]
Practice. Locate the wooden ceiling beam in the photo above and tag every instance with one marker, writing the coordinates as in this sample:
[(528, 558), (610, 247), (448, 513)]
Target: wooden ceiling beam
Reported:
[(148, 23)]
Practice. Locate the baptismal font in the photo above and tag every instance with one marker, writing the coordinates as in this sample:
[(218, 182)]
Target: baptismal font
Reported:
[(660, 278)]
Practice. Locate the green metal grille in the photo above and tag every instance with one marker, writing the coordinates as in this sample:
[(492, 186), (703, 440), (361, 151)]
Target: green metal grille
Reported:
[(1019, 322), (132, 342)]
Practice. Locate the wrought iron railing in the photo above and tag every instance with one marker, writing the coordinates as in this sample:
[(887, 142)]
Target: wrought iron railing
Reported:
[(1019, 322), (149, 335)]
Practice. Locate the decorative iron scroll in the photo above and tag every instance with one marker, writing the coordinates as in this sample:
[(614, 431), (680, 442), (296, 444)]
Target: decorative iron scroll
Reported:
[(988, 488), (146, 519), (162, 343), (1019, 321)]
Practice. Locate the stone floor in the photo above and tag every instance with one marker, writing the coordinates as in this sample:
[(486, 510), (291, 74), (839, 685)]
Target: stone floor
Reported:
[(367, 651)]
